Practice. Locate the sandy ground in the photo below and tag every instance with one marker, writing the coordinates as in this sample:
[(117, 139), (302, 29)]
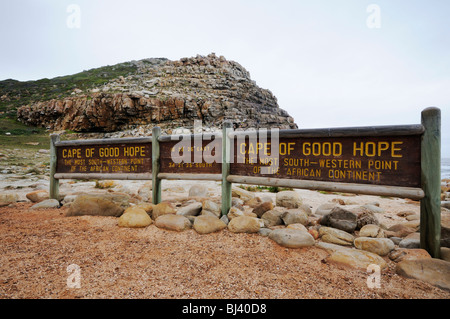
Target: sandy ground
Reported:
[(37, 246)]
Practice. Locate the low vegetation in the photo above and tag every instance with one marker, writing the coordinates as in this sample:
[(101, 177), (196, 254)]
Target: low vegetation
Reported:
[(14, 94)]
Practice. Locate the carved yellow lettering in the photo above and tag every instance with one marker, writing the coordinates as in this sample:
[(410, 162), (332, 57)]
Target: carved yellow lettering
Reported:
[(395, 149), (360, 149), (242, 148), (382, 146), (306, 148), (370, 149)]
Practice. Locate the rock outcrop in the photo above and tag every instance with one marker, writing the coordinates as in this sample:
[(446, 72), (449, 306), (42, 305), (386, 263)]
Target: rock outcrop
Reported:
[(167, 93)]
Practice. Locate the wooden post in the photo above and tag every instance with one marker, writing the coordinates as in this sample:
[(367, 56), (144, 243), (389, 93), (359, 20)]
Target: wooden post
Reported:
[(54, 183), (226, 185), (156, 181), (430, 205)]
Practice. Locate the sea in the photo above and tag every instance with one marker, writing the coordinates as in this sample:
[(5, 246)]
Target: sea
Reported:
[(445, 168)]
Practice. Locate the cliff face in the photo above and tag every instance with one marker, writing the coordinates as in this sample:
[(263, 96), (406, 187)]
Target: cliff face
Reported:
[(166, 93)]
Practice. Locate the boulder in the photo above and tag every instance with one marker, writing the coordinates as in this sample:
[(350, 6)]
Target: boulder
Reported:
[(399, 230), (329, 247), (396, 240), (198, 191), (172, 222), (260, 209), (38, 196), (266, 198), (400, 254), (192, 209), (379, 246), (433, 271), (297, 226), (47, 203), (234, 212), (162, 208), (225, 219), (264, 231), (341, 219), (306, 208), (288, 199), (241, 193), (409, 243), (445, 231), (445, 253), (292, 238), (405, 213), (366, 218), (324, 209), (99, 205), (295, 216), (412, 217), (148, 207), (415, 224), (68, 199), (336, 236), (272, 218), (134, 217), (372, 231), (254, 202), (355, 258), (237, 202), (244, 224), (208, 224), (212, 207), (145, 192), (372, 208), (8, 198)]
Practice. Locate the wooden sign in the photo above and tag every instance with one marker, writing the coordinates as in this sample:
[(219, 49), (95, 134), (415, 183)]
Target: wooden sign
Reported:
[(129, 158), (381, 160), (191, 156), (401, 161)]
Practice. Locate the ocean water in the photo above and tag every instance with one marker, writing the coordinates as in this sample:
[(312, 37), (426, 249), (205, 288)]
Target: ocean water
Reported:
[(445, 168)]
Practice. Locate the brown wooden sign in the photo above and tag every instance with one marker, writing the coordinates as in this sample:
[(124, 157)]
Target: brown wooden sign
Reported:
[(191, 156), (381, 160), (130, 158)]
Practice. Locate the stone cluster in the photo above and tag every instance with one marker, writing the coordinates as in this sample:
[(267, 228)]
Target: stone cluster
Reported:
[(170, 94), (351, 234)]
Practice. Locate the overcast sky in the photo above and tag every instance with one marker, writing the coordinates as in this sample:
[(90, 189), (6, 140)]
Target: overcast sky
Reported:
[(330, 63)]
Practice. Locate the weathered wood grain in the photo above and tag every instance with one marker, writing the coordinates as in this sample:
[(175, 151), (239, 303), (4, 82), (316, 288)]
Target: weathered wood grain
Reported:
[(430, 205)]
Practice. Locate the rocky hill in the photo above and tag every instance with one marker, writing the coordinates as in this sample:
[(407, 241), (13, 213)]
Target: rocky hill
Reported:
[(151, 92)]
